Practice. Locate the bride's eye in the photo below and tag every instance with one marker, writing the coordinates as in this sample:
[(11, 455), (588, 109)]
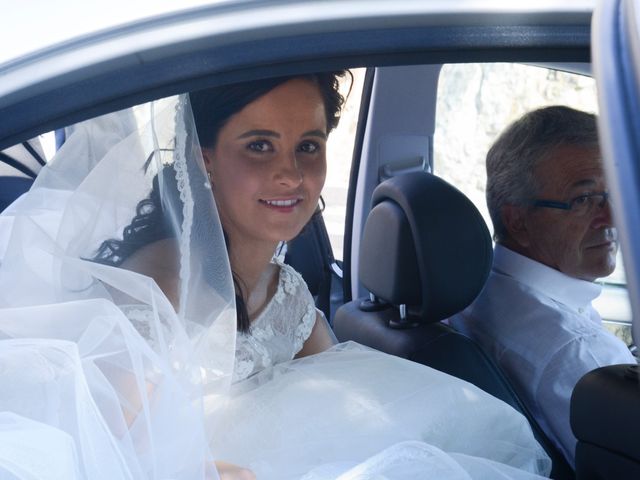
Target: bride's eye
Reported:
[(260, 146), (309, 147)]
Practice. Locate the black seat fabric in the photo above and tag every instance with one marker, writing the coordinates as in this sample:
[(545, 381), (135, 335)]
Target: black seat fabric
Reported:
[(425, 255), (605, 420), (11, 188), (453, 262), (430, 344), (19, 166), (311, 255)]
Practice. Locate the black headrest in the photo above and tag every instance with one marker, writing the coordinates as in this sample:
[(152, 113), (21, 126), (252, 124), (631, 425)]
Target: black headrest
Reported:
[(425, 245)]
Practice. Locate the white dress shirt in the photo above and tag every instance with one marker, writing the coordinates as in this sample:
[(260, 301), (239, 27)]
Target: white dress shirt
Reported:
[(539, 326)]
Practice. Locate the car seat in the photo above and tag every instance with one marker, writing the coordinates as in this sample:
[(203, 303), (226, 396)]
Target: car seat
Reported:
[(19, 166), (425, 255), (310, 254), (605, 420), (11, 188)]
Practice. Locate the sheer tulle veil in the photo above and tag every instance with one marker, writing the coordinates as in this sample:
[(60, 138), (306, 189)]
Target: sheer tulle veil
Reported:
[(103, 367)]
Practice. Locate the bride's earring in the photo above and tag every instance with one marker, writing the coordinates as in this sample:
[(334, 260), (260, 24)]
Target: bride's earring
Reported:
[(207, 184)]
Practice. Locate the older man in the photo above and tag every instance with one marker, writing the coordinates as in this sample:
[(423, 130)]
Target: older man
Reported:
[(554, 236)]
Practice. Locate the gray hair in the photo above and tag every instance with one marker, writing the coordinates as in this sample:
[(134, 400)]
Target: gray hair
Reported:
[(514, 156)]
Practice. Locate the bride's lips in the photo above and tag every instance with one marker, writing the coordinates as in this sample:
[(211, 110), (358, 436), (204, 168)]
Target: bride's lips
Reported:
[(282, 205)]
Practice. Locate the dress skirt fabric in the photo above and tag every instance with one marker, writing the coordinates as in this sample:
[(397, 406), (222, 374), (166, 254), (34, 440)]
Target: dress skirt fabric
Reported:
[(353, 412)]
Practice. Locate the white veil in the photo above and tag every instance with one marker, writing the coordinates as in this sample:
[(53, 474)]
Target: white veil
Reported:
[(104, 363)]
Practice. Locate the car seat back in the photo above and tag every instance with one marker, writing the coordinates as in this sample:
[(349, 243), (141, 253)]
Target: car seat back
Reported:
[(605, 420), (310, 254), (425, 255), (11, 188), (19, 166)]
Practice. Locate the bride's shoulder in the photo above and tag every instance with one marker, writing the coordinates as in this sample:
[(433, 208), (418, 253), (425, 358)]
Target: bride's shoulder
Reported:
[(290, 282), (294, 297), (159, 260)]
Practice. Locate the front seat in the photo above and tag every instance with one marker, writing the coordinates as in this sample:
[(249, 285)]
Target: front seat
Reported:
[(425, 255), (310, 254), (605, 420)]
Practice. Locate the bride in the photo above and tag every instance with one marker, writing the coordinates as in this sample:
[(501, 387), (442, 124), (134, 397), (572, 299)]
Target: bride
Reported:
[(149, 331)]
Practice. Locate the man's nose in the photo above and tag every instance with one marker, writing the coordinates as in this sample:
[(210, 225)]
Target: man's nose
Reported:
[(289, 172), (602, 217)]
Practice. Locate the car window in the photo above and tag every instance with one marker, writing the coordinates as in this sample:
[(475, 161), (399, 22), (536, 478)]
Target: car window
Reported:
[(339, 156), (475, 103)]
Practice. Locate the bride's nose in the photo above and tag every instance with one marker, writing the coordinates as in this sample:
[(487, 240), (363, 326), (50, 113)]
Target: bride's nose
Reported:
[(288, 170)]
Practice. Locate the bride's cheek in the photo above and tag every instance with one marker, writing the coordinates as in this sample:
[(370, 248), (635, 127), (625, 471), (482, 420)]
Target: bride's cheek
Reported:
[(316, 174)]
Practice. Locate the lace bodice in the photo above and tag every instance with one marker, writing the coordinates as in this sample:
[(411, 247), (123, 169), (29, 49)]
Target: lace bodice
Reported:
[(276, 335), (280, 330)]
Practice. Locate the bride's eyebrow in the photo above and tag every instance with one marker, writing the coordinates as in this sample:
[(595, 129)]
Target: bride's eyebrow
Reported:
[(315, 133), (259, 133), (270, 133)]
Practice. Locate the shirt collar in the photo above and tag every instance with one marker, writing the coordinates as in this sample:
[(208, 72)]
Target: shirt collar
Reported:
[(570, 291)]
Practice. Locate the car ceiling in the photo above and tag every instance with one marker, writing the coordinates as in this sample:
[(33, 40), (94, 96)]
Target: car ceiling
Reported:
[(118, 68)]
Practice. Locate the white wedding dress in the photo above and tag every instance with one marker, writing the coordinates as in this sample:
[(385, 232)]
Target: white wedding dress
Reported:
[(103, 376), (353, 412)]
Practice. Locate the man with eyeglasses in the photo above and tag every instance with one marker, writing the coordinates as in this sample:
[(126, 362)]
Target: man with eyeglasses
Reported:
[(554, 235)]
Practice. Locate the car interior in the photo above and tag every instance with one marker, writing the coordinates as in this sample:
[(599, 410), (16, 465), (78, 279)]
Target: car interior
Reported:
[(406, 263), (421, 263), (416, 249), (424, 255)]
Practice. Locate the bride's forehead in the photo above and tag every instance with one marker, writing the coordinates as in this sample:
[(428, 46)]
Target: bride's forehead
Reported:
[(295, 95), (290, 109)]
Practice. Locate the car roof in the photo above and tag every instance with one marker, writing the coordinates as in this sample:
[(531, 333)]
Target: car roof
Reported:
[(45, 23), (140, 56)]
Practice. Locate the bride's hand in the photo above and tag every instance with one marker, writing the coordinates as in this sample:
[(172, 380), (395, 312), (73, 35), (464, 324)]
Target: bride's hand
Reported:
[(229, 471)]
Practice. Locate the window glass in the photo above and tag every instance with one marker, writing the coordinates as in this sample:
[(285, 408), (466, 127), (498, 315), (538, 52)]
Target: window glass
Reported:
[(339, 156), (475, 103)]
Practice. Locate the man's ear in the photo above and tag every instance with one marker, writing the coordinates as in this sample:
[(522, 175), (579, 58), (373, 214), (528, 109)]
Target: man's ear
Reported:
[(514, 219)]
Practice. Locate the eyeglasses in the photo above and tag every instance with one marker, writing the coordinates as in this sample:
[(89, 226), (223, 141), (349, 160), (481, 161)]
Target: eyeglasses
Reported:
[(579, 206)]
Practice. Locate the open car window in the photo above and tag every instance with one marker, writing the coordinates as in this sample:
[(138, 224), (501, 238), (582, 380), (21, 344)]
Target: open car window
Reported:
[(475, 103), (340, 153)]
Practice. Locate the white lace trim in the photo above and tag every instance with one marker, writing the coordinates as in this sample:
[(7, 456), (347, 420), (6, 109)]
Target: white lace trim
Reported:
[(305, 327), (182, 181), (288, 283), (250, 354)]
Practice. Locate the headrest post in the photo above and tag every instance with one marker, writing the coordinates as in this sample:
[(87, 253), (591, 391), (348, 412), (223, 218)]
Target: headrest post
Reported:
[(403, 321), (373, 304)]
